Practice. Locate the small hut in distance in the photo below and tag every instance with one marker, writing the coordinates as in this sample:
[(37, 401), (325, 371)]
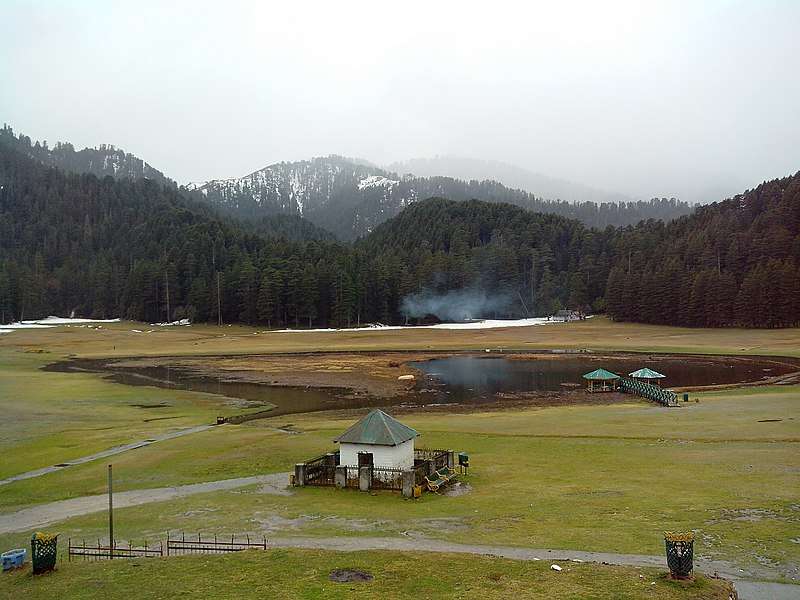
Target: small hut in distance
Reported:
[(648, 376), (601, 380)]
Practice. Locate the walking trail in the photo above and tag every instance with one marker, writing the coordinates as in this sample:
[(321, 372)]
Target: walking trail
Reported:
[(27, 519)]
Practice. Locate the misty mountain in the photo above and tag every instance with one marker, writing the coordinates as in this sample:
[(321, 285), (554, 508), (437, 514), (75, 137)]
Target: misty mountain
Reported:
[(351, 198), (100, 161), (511, 175)]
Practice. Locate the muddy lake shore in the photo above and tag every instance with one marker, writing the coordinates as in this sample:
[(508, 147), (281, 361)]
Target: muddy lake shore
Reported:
[(278, 384)]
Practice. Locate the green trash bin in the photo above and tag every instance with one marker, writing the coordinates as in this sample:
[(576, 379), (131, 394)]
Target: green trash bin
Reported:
[(43, 552)]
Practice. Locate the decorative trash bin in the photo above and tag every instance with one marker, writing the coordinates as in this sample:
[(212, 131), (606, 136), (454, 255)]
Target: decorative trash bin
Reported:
[(13, 559), (43, 552), (680, 553)]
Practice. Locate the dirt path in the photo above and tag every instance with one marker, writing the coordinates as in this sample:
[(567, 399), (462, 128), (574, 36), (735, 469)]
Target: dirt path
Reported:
[(105, 453), (746, 580), (747, 588), (45, 514)]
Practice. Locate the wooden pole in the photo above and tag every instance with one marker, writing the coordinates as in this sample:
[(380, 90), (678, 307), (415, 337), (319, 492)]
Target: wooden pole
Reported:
[(219, 302), (110, 513), (166, 279)]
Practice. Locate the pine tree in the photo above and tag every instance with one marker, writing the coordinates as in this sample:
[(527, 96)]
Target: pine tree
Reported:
[(267, 298)]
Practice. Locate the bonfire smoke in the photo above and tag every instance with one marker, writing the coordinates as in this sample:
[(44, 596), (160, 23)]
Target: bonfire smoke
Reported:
[(456, 305)]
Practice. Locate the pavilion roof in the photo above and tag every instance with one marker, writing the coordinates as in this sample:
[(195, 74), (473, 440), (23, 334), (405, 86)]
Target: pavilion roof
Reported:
[(646, 373), (601, 375)]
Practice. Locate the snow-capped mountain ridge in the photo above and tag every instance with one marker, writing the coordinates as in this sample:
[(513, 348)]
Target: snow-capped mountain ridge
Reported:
[(309, 188), (349, 198)]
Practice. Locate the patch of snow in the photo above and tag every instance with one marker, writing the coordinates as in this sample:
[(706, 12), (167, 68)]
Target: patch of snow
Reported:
[(179, 322), (27, 325), (485, 324), (555, 567), (51, 322), (376, 181)]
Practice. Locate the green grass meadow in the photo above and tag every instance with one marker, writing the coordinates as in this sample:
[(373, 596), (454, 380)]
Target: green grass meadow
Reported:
[(603, 478)]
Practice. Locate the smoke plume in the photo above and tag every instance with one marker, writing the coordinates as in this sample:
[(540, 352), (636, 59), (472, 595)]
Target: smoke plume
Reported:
[(456, 305)]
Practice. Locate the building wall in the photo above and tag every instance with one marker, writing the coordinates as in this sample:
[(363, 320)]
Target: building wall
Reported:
[(400, 456)]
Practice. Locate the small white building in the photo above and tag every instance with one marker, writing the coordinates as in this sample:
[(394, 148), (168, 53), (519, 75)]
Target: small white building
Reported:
[(378, 440)]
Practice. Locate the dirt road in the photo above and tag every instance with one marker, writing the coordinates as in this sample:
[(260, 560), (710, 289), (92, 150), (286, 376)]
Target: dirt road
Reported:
[(46, 514), (746, 580)]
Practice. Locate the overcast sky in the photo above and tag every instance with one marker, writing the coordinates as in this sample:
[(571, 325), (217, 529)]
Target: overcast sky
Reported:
[(692, 99)]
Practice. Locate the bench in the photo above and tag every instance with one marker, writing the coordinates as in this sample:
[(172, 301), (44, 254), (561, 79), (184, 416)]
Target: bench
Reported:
[(439, 478)]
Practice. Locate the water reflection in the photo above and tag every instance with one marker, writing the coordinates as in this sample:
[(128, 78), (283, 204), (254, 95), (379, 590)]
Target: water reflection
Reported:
[(468, 378), (456, 379)]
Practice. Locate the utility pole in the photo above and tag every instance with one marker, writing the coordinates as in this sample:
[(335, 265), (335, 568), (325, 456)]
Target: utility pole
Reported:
[(219, 302), (110, 515), (166, 279)]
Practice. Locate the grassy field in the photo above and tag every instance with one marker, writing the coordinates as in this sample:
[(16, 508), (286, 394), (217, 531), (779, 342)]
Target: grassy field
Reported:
[(305, 574), (608, 478), (605, 478), (54, 417)]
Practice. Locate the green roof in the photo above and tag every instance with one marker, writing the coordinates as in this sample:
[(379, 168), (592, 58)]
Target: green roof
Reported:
[(379, 429), (601, 374), (647, 374)]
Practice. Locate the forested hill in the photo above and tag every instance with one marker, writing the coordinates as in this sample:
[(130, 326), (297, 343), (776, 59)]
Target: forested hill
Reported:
[(518, 262), (351, 198), (290, 227), (101, 161), (137, 249), (735, 262)]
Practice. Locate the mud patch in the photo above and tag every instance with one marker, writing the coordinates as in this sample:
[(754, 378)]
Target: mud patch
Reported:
[(199, 511), (275, 489), (274, 523), (746, 515), (289, 428), (349, 576), (458, 489)]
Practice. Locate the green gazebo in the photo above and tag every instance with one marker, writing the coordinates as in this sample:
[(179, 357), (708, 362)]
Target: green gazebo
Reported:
[(648, 376), (601, 380)]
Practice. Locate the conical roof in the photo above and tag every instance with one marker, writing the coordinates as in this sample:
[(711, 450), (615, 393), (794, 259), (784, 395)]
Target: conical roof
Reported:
[(379, 429), (646, 373), (601, 374)]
